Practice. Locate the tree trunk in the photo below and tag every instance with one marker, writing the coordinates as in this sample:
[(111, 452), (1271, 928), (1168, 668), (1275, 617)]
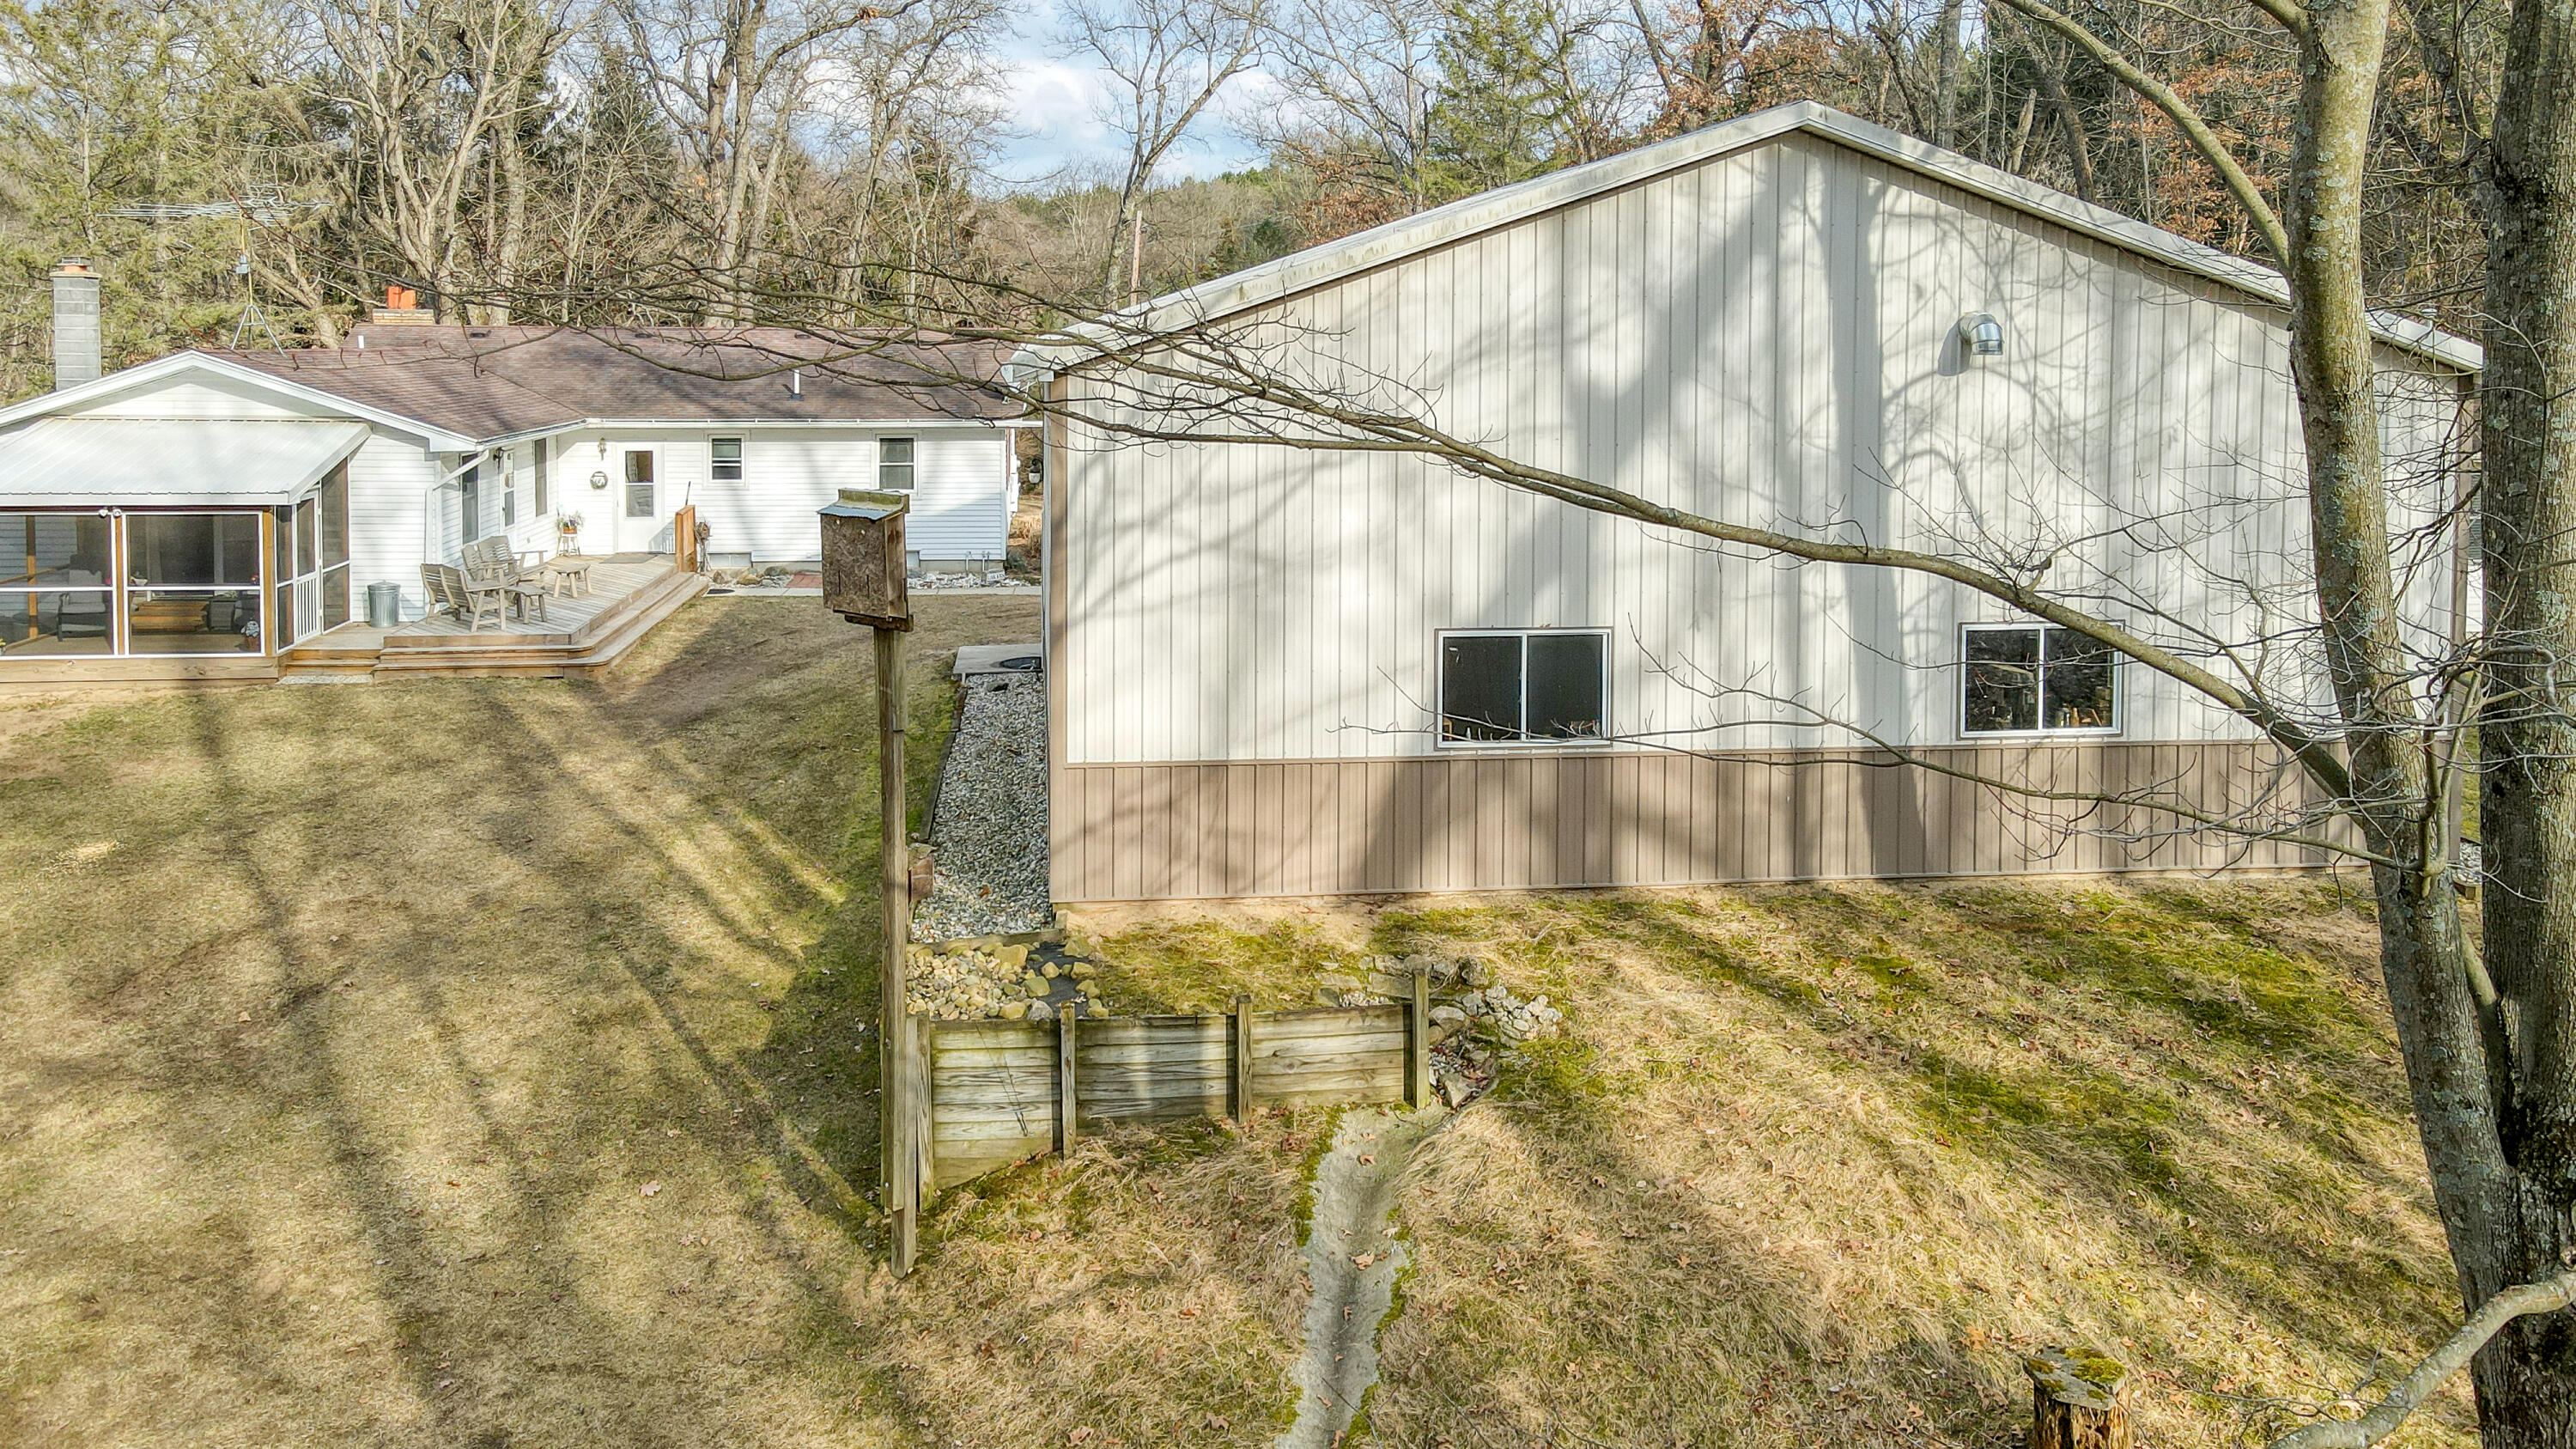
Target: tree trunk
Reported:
[(1945, 105), (514, 219), (2526, 1378)]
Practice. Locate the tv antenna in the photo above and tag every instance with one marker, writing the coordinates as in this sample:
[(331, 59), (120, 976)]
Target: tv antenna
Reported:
[(261, 205)]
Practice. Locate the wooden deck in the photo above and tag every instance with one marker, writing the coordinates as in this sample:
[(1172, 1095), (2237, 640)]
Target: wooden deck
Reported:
[(629, 594)]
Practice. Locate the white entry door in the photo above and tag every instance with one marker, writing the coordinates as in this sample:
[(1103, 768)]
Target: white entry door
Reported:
[(642, 507)]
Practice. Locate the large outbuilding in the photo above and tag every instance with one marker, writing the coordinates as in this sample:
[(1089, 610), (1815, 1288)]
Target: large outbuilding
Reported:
[(1281, 671), (221, 514)]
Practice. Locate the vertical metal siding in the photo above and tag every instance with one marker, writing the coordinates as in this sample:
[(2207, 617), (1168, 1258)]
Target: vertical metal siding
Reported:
[(1325, 827), (1767, 337)]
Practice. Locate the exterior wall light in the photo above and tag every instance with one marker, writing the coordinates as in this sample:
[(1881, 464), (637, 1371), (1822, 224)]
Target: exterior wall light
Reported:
[(1980, 335)]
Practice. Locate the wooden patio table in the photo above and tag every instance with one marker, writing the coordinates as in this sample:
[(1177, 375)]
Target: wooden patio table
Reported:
[(568, 574), (518, 595)]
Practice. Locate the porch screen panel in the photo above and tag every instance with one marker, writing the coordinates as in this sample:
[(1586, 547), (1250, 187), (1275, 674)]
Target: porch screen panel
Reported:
[(334, 499), (192, 583), (56, 589)]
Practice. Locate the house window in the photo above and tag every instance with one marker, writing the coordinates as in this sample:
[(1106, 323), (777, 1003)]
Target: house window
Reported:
[(639, 483), (2032, 678), (537, 473), (1523, 686), (726, 459), (894, 464)]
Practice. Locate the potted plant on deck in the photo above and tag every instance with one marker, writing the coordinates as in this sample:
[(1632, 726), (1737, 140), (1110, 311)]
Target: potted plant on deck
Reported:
[(568, 533)]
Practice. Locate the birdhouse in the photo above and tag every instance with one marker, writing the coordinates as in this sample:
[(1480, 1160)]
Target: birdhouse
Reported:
[(863, 573)]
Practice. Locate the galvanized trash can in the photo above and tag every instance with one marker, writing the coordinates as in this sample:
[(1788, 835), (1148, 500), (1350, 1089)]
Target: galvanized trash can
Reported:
[(384, 606)]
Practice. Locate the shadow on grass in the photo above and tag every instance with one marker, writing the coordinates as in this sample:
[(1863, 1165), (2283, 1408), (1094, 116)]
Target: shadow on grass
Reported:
[(2078, 1048), (526, 873)]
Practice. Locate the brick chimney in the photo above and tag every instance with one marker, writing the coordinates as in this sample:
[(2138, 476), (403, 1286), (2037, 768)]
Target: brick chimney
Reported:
[(77, 349), (402, 309)]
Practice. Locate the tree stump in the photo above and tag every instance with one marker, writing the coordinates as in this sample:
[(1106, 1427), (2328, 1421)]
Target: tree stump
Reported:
[(2079, 1399)]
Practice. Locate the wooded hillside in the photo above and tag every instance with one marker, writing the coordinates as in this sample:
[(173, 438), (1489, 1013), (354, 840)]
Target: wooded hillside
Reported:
[(528, 160)]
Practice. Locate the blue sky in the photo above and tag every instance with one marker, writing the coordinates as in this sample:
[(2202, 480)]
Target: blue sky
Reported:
[(1054, 108)]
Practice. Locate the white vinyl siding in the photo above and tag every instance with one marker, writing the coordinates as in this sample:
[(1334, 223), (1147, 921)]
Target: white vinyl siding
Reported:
[(788, 475), (960, 496), (1768, 337), (389, 483)]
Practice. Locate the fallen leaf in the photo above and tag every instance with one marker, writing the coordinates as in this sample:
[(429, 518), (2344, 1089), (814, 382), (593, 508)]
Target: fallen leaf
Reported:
[(650, 1189), (245, 1016)]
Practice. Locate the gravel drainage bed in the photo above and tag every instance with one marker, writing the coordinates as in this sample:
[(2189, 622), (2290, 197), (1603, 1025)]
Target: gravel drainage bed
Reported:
[(988, 834)]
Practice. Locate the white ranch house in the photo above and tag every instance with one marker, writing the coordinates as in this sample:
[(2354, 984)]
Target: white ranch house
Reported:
[(222, 513)]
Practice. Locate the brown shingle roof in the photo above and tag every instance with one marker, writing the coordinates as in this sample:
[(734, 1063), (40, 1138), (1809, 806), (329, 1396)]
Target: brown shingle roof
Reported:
[(484, 382)]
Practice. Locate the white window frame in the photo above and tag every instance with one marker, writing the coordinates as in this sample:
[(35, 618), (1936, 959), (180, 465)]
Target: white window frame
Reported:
[(716, 465), (1440, 690), (1959, 692), (911, 465)]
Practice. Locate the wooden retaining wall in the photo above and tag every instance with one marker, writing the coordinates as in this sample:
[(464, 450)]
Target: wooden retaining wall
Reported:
[(1001, 1092)]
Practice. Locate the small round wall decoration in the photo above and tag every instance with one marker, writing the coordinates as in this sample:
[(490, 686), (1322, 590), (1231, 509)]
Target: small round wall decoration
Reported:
[(599, 480)]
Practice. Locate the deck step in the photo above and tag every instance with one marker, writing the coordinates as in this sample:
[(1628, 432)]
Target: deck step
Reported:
[(598, 643)]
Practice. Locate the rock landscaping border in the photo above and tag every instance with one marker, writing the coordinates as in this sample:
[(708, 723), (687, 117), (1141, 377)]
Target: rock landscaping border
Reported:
[(988, 827)]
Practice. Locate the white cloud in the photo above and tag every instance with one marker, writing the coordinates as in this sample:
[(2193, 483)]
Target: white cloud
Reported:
[(1056, 109)]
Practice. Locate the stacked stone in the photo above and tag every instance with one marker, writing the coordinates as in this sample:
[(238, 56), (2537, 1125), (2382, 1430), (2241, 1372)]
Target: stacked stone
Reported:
[(969, 980), (1464, 987), (1512, 1019)]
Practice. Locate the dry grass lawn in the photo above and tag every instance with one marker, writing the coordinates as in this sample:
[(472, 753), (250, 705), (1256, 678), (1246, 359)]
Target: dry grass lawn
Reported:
[(1811, 1164), (485, 1063)]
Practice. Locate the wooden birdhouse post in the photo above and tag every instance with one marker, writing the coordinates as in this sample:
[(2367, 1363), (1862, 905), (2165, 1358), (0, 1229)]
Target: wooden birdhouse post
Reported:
[(864, 582)]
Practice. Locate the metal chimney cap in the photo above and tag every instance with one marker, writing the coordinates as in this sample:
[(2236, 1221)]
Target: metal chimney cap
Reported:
[(73, 267)]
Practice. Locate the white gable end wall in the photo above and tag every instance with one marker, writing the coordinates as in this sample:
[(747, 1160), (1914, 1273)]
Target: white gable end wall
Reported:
[(1768, 338), (1243, 674), (209, 398)]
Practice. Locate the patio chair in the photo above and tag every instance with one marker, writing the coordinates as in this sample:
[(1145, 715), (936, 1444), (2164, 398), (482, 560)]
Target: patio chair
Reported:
[(494, 556), (433, 585), (469, 599)]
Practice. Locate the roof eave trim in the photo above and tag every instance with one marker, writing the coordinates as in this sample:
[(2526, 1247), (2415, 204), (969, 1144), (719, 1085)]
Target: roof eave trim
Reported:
[(584, 425), (438, 439), (1405, 237), (338, 456)]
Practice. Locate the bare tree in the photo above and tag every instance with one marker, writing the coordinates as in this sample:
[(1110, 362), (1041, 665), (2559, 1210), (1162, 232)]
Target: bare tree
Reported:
[(735, 78), (1359, 77), (439, 97), (1166, 61)]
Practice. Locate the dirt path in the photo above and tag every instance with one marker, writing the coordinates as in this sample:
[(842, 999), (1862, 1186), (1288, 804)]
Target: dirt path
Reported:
[(1352, 1259)]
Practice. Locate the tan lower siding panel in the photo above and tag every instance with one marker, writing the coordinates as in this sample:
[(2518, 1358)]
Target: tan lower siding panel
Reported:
[(1467, 822)]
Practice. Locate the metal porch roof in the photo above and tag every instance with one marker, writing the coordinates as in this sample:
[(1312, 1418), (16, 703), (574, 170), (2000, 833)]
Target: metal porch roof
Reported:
[(144, 463)]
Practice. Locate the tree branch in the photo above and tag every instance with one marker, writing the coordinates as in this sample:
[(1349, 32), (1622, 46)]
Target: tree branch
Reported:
[(2436, 1369), (2267, 222)]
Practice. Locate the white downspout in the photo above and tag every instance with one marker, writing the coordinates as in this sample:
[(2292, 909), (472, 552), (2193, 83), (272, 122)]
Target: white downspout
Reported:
[(429, 552)]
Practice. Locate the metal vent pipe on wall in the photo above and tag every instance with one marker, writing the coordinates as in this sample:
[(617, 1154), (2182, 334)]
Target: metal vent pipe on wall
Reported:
[(77, 350)]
